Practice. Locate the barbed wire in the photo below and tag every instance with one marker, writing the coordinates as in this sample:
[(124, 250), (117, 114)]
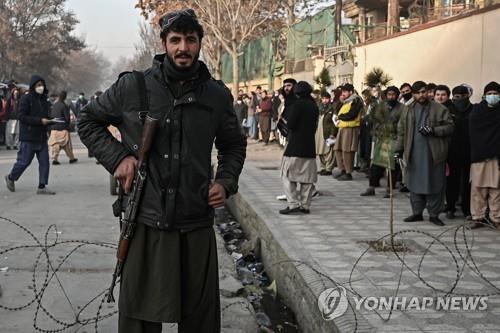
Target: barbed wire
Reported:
[(460, 259), (51, 272), (45, 266)]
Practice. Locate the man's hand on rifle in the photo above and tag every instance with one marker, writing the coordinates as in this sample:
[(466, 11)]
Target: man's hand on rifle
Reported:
[(125, 172), (216, 195)]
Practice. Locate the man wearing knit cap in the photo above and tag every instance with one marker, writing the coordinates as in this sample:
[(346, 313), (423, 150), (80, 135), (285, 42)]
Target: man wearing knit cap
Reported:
[(171, 271), (424, 130), (457, 181), (290, 98), (484, 129)]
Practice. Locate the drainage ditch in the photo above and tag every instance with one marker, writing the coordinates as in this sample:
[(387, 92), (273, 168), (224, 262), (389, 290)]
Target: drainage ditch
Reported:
[(271, 312)]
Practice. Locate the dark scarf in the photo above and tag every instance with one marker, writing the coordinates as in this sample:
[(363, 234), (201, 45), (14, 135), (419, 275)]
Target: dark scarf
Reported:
[(290, 99), (180, 81), (307, 96), (174, 73), (484, 129), (450, 106)]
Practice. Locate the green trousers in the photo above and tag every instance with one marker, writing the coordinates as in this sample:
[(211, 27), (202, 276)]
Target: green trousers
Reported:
[(170, 277), (126, 324)]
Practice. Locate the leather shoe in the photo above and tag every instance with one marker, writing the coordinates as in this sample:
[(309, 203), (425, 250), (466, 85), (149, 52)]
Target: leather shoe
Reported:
[(345, 177), (414, 218), (338, 175), (450, 215), (288, 211), (477, 224), (436, 221), (304, 210), (369, 192)]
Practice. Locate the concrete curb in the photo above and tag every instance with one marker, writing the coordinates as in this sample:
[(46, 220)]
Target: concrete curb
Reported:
[(282, 257)]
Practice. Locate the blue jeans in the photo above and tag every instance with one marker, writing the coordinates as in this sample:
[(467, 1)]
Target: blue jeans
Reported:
[(256, 126), (251, 124), (26, 153)]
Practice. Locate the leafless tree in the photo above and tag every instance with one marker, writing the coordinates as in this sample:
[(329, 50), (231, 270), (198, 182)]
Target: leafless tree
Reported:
[(84, 70), (35, 37), (230, 24)]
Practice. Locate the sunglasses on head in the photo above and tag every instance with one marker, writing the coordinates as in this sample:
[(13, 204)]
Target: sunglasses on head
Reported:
[(166, 23)]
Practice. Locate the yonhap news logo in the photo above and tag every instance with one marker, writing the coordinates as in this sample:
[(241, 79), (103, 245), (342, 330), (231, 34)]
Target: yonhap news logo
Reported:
[(333, 303), (414, 303)]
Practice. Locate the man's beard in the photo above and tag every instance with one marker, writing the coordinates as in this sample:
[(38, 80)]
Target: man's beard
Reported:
[(392, 103), (182, 68)]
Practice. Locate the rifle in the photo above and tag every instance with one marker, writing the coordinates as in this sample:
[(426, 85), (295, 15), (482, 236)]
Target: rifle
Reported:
[(129, 217)]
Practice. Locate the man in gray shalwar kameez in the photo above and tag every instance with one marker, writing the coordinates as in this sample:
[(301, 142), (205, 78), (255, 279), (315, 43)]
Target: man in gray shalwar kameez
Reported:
[(423, 135), (298, 166)]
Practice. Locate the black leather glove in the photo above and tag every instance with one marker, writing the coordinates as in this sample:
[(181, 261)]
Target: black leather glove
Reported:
[(426, 131)]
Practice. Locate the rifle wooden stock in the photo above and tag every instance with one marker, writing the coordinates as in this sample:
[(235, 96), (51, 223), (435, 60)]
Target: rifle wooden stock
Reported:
[(148, 134), (122, 252), (129, 218)]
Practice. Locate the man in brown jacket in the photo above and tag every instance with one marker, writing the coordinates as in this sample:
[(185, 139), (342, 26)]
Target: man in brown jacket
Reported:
[(424, 131)]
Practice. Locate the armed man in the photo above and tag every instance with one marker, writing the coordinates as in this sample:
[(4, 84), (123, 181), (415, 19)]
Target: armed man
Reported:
[(169, 117)]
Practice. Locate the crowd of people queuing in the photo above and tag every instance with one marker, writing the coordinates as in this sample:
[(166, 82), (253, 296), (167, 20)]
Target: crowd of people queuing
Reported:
[(425, 139), (31, 122)]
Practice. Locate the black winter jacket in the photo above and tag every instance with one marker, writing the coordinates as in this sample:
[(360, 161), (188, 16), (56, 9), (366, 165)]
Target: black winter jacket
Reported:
[(32, 108), (302, 123), (179, 167), (60, 111), (460, 140)]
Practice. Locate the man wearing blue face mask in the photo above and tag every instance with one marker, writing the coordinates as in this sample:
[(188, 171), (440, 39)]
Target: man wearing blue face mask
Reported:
[(33, 116), (484, 127)]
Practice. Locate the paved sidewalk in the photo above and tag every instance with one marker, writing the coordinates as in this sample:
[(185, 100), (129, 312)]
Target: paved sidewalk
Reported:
[(333, 239)]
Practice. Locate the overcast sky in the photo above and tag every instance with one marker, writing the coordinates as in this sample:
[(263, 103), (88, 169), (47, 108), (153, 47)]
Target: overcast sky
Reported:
[(110, 25)]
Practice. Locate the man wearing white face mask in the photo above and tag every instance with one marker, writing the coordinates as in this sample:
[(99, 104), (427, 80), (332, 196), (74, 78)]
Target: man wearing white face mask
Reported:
[(484, 131), (33, 117)]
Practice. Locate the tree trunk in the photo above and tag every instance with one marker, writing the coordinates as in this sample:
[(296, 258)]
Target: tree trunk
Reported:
[(290, 12), (392, 17), (338, 21), (218, 64), (236, 72)]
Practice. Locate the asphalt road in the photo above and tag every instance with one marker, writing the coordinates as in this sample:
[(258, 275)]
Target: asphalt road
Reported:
[(78, 231)]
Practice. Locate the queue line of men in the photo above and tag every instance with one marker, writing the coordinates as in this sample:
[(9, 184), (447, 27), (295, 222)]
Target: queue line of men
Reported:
[(423, 135)]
